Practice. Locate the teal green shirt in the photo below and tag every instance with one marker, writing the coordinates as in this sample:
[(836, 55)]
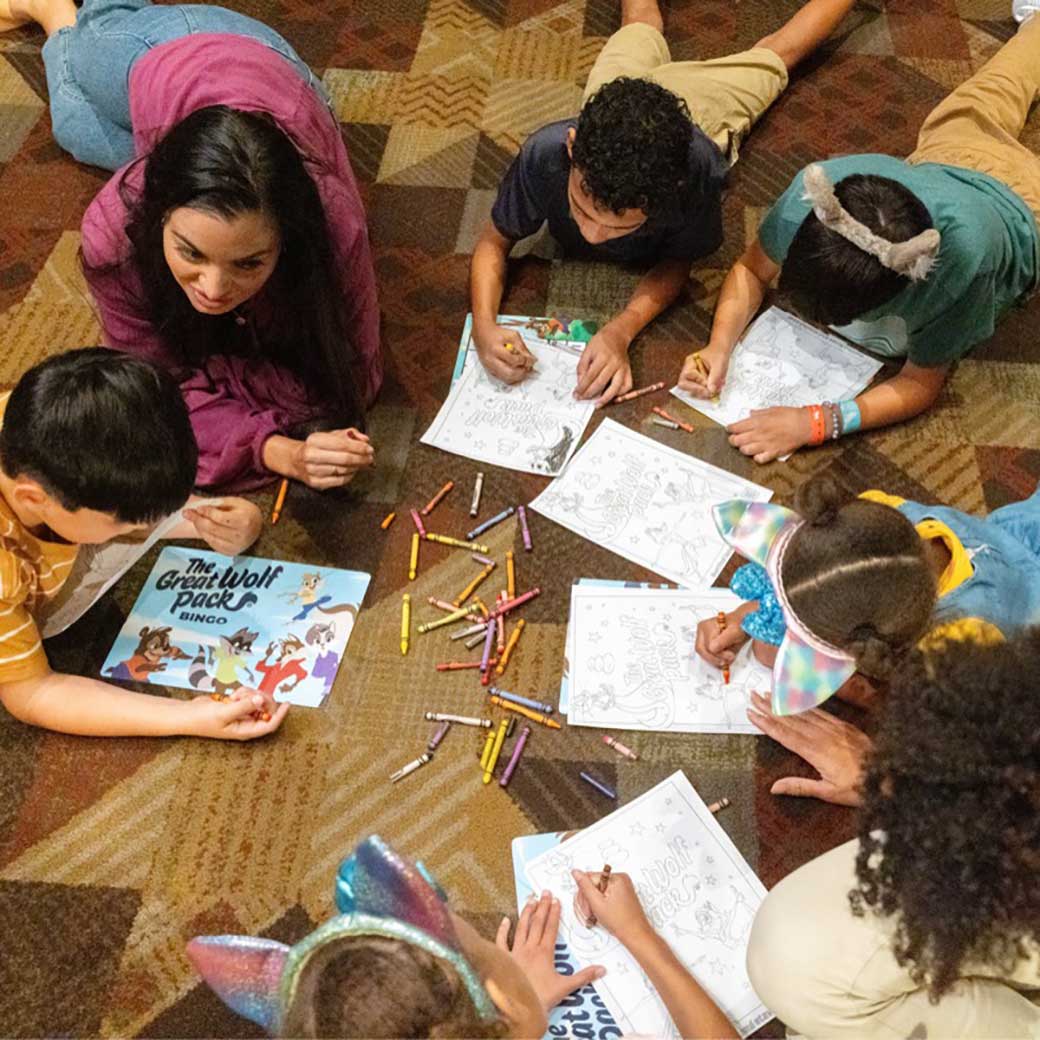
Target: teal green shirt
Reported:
[(989, 258)]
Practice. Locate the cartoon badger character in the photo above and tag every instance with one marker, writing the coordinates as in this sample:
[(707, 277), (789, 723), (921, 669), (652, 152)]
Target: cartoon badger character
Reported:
[(153, 646)]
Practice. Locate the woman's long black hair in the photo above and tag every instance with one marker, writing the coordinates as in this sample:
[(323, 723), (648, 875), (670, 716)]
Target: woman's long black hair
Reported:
[(227, 162)]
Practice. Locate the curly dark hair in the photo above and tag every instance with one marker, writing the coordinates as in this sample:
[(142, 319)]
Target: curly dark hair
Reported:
[(632, 146), (950, 829)]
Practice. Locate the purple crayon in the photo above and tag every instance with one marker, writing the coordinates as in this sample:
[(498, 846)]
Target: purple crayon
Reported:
[(489, 640), (496, 519), (600, 786), (514, 758), (525, 531), (419, 525), (438, 736)]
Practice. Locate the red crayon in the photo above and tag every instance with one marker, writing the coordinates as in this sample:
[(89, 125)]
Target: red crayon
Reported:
[(505, 608)]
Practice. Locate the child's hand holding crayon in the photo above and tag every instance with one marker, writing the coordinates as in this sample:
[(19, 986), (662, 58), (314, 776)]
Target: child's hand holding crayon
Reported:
[(503, 353), (718, 644), (704, 372), (245, 715)]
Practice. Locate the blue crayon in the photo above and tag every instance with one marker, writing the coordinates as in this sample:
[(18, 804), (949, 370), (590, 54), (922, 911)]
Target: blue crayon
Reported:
[(545, 709), (481, 528), (600, 786)]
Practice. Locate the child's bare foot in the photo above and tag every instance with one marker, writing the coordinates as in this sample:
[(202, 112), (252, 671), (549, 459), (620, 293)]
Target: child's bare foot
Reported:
[(51, 15)]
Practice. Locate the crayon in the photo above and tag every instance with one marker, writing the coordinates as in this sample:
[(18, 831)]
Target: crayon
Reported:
[(671, 418), (486, 656), (283, 490), (456, 543), (481, 558), (718, 806), (510, 574), (388, 520), (474, 629), (601, 886), (412, 766), (479, 604), (703, 369), (514, 638), (534, 716), (633, 394), (720, 620), (599, 785), (438, 735), (512, 725), (456, 666), (525, 531), (432, 504), (475, 641), (443, 604), (472, 586), (406, 621), (462, 720), (514, 758), (500, 625), (620, 748), (417, 520), (455, 615), (478, 486), (413, 560), (496, 750), (506, 695), (668, 423), (489, 743), (487, 524), (512, 604)]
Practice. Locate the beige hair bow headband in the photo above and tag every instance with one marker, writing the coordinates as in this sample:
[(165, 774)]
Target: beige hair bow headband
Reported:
[(914, 258)]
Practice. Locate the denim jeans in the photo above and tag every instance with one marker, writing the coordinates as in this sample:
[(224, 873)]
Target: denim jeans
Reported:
[(88, 68)]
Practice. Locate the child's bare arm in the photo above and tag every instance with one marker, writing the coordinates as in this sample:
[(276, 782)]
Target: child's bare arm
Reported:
[(92, 708)]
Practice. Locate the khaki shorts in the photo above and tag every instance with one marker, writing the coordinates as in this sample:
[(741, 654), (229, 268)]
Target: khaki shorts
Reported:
[(726, 96), (978, 124)]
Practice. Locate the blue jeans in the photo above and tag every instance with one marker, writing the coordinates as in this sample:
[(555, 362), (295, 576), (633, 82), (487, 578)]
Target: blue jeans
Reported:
[(88, 68)]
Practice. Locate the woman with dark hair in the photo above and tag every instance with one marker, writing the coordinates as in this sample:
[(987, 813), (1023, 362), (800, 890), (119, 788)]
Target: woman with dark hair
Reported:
[(230, 246), (916, 259), (928, 924)]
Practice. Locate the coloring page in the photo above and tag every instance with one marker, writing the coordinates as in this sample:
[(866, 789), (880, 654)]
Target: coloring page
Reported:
[(581, 1015), (533, 426), (568, 652), (646, 502), (697, 891), (781, 360), (634, 665), (212, 624)]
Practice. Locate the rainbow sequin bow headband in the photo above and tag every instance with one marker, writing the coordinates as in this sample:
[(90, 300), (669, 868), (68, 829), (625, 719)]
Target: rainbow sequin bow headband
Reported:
[(377, 893), (807, 670)]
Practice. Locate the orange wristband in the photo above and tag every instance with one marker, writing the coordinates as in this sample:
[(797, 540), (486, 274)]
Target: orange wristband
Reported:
[(818, 424)]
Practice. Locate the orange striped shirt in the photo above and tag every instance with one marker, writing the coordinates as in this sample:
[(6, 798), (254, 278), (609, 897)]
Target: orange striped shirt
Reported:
[(32, 571)]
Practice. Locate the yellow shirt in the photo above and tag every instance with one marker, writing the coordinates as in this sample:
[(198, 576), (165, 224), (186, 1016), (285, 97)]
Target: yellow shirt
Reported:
[(957, 571), (32, 571)]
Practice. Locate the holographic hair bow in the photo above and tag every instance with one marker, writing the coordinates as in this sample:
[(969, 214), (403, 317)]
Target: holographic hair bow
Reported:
[(807, 670), (377, 893)]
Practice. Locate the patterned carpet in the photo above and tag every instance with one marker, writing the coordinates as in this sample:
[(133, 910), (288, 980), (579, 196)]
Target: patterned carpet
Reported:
[(113, 853)]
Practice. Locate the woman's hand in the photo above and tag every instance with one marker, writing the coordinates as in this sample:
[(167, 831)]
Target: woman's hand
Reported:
[(768, 433), (326, 459), (534, 946), (835, 749), (230, 527)]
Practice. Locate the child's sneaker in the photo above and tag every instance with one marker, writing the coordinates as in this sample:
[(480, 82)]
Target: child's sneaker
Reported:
[(1023, 9)]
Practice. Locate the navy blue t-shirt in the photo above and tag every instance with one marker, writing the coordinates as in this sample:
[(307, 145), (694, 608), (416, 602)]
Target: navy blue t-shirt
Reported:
[(534, 190)]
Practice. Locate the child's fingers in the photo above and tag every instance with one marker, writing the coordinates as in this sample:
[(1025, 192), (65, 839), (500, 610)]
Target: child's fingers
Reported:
[(523, 923), (536, 928), (590, 893), (552, 924), (502, 935)]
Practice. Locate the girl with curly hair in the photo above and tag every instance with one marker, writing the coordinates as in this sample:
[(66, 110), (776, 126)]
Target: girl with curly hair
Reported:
[(230, 247), (927, 925)]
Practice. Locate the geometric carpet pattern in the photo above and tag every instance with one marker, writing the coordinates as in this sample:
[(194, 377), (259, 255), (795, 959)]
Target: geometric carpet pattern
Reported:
[(114, 852)]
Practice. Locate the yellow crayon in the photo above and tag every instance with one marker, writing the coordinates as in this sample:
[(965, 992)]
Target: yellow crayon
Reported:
[(489, 743), (703, 369), (534, 716), (448, 619), (406, 621), (496, 750), (413, 563), (510, 575), (457, 543), (514, 638), (479, 604), (472, 586)]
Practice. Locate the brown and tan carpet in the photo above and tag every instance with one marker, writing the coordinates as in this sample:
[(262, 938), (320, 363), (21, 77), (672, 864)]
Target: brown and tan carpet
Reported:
[(114, 852)]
